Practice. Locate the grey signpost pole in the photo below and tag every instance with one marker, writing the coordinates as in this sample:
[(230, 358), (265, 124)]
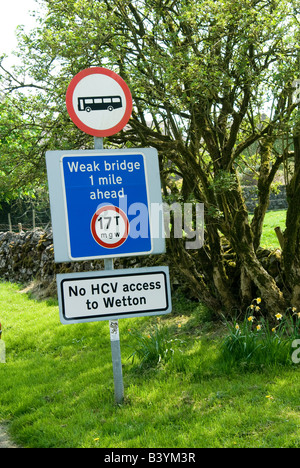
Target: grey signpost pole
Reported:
[(115, 349), (114, 328), (98, 143)]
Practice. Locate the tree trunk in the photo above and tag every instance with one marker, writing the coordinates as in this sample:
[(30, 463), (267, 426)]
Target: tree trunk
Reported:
[(291, 251), (220, 278), (272, 296), (241, 238), (196, 272), (245, 288)]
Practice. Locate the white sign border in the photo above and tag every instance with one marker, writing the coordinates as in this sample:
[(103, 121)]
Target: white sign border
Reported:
[(61, 278)]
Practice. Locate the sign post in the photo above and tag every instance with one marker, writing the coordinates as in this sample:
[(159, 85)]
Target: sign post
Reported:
[(101, 208), (114, 327), (115, 349), (98, 143), (116, 360)]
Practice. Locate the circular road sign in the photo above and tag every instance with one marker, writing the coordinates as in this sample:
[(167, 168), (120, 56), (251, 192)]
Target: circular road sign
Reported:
[(99, 102), (110, 227)]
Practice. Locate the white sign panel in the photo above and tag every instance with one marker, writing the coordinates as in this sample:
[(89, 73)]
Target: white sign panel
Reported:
[(114, 294)]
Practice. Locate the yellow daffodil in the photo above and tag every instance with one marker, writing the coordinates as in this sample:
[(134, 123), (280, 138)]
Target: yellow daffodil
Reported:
[(294, 309), (257, 308), (251, 318), (258, 300), (273, 330), (237, 327), (258, 327), (278, 316), (252, 307)]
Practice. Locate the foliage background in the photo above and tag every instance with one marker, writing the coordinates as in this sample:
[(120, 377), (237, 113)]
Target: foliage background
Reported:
[(212, 84)]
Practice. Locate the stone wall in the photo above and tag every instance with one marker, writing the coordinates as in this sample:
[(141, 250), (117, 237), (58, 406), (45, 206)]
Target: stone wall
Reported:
[(29, 256), (22, 255), (278, 201)]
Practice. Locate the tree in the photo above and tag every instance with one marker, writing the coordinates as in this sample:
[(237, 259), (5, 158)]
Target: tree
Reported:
[(209, 79)]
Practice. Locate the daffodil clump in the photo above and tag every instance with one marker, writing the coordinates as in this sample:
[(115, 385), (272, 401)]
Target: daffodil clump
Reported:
[(255, 340)]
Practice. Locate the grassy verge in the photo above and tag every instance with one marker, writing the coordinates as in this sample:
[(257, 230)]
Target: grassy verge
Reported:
[(272, 220), (56, 389)]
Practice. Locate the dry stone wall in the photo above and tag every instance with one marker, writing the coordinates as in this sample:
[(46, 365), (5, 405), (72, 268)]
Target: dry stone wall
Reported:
[(21, 254), (278, 201), (29, 256)]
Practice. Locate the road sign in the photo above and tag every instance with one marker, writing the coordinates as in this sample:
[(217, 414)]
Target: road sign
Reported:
[(112, 295), (101, 203), (110, 227), (99, 102)]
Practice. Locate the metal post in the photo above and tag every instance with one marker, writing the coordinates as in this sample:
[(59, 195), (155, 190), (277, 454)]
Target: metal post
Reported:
[(115, 349), (114, 328), (98, 142), (116, 360)]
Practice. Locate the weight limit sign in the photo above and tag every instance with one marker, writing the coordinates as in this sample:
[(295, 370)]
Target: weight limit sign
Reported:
[(110, 227)]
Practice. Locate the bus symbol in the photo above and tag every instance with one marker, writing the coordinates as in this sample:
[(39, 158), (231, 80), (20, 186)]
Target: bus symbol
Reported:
[(89, 104)]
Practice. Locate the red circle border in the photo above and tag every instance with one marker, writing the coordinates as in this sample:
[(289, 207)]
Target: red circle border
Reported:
[(93, 228), (69, 102)]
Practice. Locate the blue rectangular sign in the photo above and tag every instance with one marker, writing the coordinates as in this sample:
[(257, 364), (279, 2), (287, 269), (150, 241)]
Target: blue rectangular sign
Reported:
[(101, 203), (103, 196)]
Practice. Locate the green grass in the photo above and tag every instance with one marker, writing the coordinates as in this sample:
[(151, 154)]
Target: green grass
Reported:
[(272, 220), (56, 389)]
